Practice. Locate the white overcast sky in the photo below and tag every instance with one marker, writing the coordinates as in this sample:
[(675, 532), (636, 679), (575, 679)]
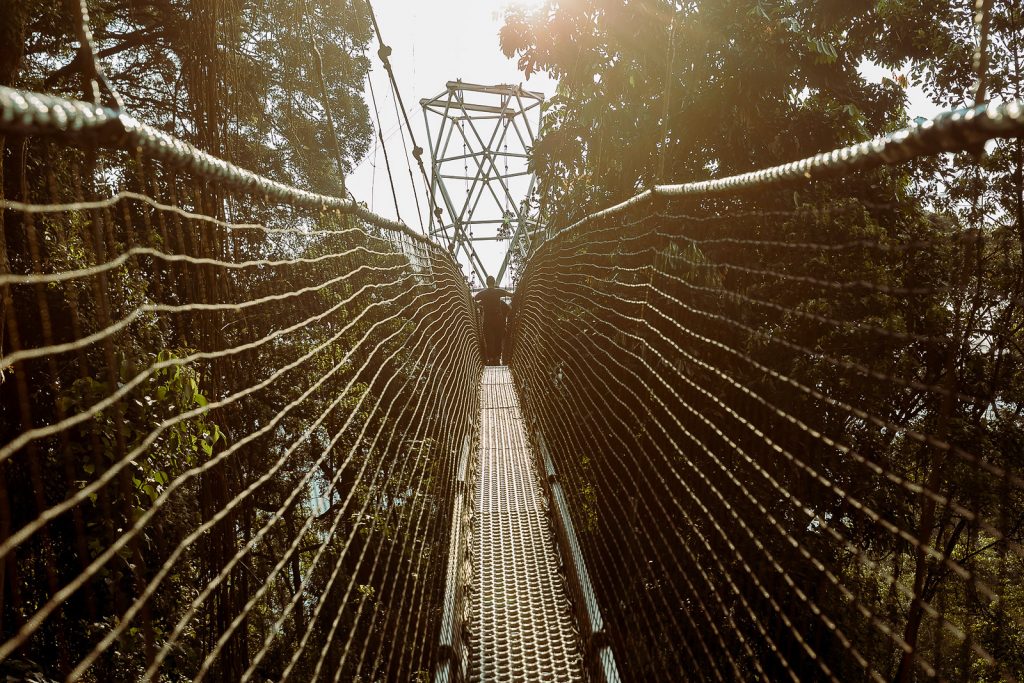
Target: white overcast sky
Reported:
[(434, 41)]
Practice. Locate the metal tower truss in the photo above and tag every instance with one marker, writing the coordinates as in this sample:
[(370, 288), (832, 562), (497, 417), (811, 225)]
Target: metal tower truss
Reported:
[(480, 137)]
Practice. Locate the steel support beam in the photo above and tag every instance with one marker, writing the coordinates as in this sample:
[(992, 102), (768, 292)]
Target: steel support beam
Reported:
[(493, 124)]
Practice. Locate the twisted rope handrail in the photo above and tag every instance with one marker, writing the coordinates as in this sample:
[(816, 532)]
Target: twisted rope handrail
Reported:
[(951, 131), (31, 113)]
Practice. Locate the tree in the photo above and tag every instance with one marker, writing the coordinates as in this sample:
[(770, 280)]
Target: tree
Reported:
[(784, 75), (696, 311)]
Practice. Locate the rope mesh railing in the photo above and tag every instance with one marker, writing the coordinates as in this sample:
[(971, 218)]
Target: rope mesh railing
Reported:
[(233, 414), (787, 420), (779, 421)]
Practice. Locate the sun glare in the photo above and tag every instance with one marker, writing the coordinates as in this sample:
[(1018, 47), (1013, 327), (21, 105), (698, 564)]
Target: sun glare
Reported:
[(502, 5)]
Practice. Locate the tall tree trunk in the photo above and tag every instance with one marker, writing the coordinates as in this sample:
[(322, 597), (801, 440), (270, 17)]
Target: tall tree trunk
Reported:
[(12, 46)]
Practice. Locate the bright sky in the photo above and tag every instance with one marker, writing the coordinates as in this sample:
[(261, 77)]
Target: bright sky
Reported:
[(918, 103), (432, 42)]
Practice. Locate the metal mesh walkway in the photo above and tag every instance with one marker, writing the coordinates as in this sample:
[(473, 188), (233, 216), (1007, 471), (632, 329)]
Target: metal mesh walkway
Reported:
[(520, 625)]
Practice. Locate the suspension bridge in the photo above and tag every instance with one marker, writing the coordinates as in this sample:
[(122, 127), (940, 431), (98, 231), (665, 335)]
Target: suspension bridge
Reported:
[(758, 427)]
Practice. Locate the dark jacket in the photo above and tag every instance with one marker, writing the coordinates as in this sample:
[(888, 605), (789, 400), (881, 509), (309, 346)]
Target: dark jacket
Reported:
[(490, 302)]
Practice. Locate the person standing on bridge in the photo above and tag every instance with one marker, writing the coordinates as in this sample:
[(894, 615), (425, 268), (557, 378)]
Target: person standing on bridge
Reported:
[(506, 316), (494, 315)]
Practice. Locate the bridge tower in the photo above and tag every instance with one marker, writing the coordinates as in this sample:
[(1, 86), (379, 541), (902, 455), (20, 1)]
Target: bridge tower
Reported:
[(479, 137)]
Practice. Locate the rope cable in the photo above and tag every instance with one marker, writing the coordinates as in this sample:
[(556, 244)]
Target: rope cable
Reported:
[(384, 53), (383, 145)]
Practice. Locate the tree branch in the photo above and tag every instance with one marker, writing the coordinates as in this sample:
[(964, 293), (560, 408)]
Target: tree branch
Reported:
[(131, 40)]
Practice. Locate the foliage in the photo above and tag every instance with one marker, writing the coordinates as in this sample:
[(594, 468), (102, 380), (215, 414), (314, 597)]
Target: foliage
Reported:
[(688, 358), (642, 81), (237, 78)]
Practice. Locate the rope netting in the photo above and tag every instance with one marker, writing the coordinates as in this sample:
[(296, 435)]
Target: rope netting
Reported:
[(233, 414), (786, 415), (781, 417)]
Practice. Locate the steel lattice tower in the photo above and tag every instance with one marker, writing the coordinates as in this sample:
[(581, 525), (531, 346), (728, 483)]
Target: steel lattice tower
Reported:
[(479, 137)]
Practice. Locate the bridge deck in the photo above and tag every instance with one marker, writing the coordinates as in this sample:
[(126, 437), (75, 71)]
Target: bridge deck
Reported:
[(520, 626)]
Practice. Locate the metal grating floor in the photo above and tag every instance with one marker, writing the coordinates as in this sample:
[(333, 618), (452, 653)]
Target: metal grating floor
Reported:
[(520, 625)]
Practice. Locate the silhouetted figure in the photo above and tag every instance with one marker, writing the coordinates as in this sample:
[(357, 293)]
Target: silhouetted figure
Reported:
[(506, 316), (494, 320)]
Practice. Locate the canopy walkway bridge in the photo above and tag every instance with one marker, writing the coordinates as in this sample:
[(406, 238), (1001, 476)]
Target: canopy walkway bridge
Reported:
[(247, 433)]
